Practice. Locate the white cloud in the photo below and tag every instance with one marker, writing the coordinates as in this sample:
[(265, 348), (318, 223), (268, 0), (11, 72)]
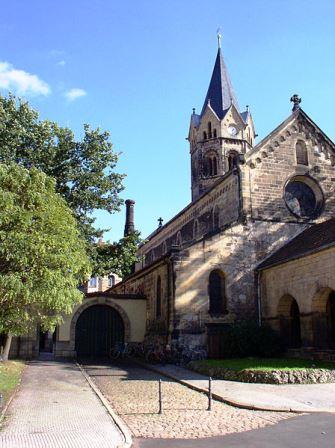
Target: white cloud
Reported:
[(61, 63), (75, 93), (23, 83)]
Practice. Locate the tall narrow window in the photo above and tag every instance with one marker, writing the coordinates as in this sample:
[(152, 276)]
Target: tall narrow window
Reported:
[(214, 133), (209, 129), (111, 280), (301, 153), (215, 166), (205, 135), (211, 165), (232, 161), (179, 239), (217, 295), (158, 297), (93, 282)]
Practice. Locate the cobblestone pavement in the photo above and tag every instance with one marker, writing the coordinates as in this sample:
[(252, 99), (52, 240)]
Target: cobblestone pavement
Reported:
[(56, 408), (133, 394), (299, 397)]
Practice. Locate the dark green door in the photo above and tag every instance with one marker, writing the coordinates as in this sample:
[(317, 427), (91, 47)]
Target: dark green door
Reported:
[(98, 328)]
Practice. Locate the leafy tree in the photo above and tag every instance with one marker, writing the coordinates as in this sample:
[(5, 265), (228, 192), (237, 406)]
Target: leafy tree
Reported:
[(42, 254), (83, 169), (118, 257)]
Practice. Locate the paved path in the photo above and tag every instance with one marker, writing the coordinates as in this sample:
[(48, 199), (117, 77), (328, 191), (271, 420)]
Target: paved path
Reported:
[(56, 408), (133, 394), (290, 397), (305, 431)]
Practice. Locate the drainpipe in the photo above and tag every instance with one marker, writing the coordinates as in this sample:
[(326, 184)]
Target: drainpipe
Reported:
[(258, 297)]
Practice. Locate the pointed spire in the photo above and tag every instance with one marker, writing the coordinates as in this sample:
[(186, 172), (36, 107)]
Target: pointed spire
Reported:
[(220, 92)]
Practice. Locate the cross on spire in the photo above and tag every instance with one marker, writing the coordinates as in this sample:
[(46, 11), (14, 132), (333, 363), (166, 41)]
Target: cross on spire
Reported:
[(219, 37), (220, 94)]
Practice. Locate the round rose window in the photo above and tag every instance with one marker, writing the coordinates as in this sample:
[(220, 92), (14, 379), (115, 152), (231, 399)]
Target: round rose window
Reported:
[(303, 197)]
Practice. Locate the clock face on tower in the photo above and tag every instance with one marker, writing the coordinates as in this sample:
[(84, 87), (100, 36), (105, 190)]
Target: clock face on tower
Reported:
[(232, 130)]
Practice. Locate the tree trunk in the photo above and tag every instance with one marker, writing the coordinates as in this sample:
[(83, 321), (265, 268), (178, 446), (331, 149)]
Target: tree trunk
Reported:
[(7, 347)]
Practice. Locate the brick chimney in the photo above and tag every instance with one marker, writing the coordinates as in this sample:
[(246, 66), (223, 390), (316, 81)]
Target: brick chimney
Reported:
[(129, 227)]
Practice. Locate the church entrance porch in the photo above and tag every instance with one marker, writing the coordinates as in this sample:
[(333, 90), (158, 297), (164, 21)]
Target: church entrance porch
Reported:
[(98, 329)]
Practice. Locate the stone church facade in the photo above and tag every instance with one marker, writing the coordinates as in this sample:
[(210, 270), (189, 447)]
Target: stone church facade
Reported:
[(198, 272), (256, 242)]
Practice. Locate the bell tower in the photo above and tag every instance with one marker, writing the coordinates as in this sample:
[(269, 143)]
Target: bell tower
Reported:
[(220, 135)]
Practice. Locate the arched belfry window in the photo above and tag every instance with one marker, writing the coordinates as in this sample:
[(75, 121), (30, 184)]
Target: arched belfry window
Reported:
[(232, 160), (209, 129), (211, 165), (217, 293), (301, 153), (158, 297)]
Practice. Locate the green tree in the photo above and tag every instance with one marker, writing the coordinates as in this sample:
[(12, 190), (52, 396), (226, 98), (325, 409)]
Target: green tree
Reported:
[(118, 257), (43, 257), (84, 170)]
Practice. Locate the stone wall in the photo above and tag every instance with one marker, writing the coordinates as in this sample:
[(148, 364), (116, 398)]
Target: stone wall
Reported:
[(215, 210), (307, 280), (273, 163)]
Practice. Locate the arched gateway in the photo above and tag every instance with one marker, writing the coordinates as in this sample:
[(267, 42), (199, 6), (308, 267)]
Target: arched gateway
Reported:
[(98, 328)]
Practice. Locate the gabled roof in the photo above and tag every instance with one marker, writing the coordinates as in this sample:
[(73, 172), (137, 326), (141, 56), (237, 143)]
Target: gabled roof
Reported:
[(315, 238), (282, 125), (220, 92)]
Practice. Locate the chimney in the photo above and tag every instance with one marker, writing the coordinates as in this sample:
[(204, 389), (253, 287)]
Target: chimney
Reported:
[(129, 227)]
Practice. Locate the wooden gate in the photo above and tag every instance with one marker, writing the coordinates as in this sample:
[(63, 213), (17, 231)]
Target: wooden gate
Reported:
[(98, 328)]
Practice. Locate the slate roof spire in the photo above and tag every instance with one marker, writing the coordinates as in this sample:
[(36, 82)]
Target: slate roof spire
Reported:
[(220, 92)]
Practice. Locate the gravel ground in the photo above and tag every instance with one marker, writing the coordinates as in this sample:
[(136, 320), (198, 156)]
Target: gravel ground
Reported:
[(133, 393)]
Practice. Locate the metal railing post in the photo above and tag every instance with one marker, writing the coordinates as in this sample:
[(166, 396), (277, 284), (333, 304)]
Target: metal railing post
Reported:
[(160, 397), (209, 394)]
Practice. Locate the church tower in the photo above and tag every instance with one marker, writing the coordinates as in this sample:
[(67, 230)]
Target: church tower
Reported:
[(221, 135)]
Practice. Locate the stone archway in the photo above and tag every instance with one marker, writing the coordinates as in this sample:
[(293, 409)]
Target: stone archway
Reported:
[(323, 309), (98, 301), (289, 318)]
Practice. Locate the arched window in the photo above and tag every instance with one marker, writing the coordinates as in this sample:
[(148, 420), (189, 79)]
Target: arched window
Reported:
[(158, 298), (217, 294), (205, 135), (232, 160), (214, 133), (209, 129), (111, 280), (289, 318), (215, 166), (93, 282), (301, 153), (211, 165)]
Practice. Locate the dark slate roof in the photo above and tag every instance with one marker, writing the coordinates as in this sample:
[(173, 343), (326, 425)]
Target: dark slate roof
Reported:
[(220, 91), (245, 115), (315, 238)]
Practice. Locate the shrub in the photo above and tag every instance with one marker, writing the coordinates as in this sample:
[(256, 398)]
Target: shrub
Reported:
[(248, 339)]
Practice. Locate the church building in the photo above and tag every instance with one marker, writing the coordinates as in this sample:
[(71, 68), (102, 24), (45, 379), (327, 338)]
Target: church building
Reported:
[(256, 242), (207, 268)]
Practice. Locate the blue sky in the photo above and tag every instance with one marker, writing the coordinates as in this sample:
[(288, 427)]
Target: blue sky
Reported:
[(137, 68)]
